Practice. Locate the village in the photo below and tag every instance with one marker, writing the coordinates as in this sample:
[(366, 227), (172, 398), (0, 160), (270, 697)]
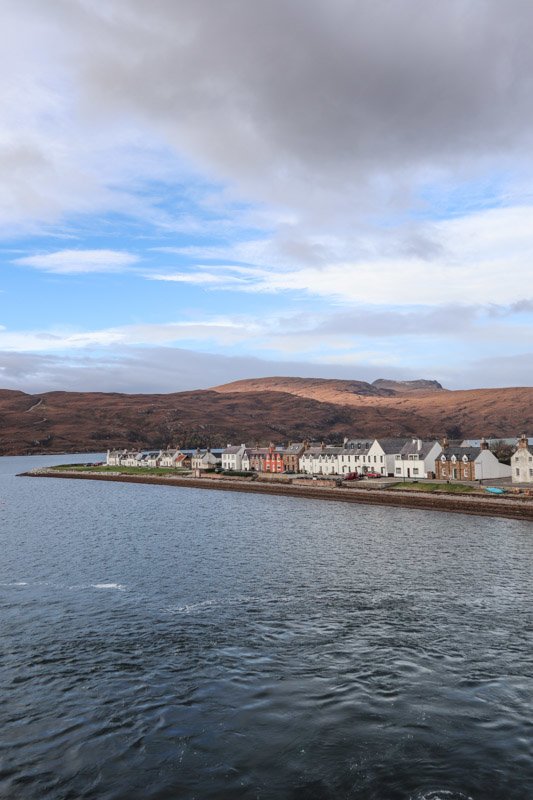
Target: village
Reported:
[(412, 459)]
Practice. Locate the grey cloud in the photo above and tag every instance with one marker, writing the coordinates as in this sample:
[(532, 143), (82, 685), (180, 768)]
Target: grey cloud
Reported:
[(515, 369), (160, 369), (443, 321), (318, 104), (524, 306), (163, 369)]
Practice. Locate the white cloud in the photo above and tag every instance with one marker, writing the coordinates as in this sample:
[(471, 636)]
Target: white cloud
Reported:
[(219, 330), (483, 258), (75, 262)]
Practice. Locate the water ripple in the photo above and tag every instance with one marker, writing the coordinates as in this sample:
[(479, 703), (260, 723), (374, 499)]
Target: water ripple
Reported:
[(159, 644)]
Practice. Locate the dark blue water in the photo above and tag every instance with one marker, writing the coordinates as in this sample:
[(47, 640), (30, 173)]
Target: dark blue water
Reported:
[(167, 643)]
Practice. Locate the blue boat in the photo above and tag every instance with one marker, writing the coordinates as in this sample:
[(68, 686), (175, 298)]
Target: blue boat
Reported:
[(494, 490)]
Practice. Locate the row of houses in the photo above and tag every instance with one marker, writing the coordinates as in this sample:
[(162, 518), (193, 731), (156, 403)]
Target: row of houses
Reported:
[(413, 458), (176, 458)]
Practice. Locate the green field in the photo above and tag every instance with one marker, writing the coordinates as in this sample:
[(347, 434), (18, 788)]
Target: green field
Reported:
[(121, 470), (443, 488)]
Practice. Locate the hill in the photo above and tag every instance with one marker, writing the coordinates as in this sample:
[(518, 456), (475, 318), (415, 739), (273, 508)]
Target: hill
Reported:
[(265, 409)]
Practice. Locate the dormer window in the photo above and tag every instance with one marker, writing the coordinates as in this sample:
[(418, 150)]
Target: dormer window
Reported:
[(454, 459), (465, 458)]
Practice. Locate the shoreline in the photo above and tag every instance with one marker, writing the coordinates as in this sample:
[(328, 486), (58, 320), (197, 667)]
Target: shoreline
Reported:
[(509, 508)]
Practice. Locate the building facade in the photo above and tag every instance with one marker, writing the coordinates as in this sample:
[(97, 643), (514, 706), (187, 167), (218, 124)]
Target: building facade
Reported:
[(231, 457), (292, 454), (522, 462), (417, 459), (204, 459), (470, 464), (273, 460)]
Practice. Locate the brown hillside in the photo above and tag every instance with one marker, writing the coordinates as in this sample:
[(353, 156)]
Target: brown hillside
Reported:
[(257, 410), (493, 412)]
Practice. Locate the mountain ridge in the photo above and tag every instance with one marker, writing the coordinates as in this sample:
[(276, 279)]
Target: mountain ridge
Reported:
[(258, 410)]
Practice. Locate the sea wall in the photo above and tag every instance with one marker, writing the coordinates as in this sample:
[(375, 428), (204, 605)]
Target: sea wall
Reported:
[(509, 507)]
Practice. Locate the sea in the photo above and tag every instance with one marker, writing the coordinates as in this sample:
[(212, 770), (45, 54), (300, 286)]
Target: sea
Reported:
[(159, 643)]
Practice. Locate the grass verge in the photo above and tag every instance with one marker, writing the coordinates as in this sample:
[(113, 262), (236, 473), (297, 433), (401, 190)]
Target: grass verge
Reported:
[(442, 488), (120, 470)]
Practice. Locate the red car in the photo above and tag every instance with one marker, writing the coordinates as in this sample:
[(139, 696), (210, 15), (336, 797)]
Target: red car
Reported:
[(352, 476), (373, 475)]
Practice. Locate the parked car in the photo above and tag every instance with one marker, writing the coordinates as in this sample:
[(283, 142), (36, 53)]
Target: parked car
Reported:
[(373, 475), (352, 476)]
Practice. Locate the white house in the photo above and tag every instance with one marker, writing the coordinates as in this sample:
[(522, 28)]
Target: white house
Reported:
[(321, 460), (172, 458), (131, 458), (353, 456), (204, 459), (522, 462), (381, 457), (416, 459), (151, 459), (232, 457), (114, 457)]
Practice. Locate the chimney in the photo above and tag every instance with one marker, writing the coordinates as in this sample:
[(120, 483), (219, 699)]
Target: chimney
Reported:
[(444, 442), (484, 445), (345, 440), (523, 442), (322, 445)]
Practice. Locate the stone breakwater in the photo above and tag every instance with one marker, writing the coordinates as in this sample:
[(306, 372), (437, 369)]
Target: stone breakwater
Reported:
[(509, 507)]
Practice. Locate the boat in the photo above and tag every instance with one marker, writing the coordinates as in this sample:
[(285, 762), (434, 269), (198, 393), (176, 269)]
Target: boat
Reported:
[(494, 489)]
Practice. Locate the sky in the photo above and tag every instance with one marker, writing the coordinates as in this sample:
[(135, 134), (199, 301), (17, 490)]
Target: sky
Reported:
[(199, 191)]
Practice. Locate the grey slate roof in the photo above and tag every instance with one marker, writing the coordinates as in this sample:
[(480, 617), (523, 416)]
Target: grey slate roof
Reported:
[(326, 451), (411, 448), (359, 446), (392, 446), (459, 452), (294, 447)]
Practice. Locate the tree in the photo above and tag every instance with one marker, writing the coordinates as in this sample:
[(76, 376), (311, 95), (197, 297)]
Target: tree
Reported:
[(502, 451)]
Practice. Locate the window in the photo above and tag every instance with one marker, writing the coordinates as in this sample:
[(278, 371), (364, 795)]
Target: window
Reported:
[(398, 470), (518, 472), (415, 471)]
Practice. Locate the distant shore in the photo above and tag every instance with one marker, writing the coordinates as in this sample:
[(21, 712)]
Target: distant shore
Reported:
[(479, 505)]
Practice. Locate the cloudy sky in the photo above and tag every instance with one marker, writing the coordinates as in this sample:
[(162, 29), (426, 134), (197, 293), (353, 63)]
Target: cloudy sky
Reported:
[(195, 191)]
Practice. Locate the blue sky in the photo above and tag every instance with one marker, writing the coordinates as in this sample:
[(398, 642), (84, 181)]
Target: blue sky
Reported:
[(194, 193)]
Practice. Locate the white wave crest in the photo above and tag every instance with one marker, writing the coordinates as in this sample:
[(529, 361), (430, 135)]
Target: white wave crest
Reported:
[(119, 586)]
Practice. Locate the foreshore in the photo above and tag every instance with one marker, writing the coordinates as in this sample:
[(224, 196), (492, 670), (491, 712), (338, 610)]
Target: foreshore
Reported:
[(508, 507)]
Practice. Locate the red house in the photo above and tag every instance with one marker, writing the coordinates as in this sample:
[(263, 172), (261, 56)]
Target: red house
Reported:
[(273, 460)]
